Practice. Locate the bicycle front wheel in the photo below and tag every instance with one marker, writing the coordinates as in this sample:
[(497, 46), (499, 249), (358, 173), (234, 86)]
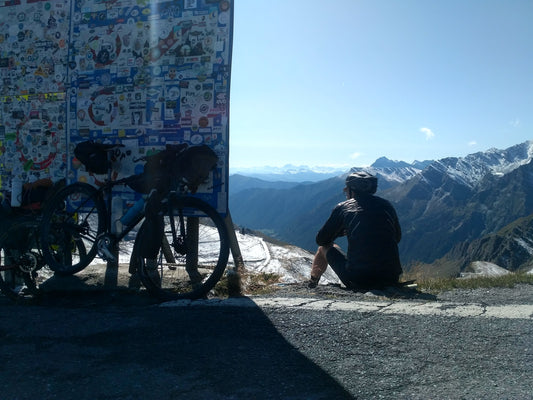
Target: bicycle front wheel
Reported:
[(22, 268), (192, 256), (76, 215)]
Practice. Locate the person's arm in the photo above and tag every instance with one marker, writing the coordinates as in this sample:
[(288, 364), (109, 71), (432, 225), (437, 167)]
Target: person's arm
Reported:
[(332, 229), (395, 223)]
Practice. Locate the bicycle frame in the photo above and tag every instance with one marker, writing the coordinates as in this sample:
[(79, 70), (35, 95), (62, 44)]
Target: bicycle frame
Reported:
[(106, 192)]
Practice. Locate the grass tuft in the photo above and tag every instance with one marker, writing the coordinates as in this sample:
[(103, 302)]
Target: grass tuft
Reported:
[(260, 283), (503, 281)]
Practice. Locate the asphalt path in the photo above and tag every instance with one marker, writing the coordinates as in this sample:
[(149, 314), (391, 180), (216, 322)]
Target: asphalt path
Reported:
[(296, 343)]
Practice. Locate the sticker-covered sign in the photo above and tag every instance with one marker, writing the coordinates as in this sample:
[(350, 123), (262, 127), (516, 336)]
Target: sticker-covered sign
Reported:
[(33, 74), (140, 73)]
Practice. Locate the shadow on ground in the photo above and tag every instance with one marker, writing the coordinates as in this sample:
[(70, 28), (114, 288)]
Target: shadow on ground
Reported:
[(120, 345)]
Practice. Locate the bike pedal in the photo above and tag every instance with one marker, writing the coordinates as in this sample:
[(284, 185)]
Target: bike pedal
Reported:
[(103, 250), (106, 255)]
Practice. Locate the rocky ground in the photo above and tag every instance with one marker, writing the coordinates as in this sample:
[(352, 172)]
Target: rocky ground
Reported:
[(89, 341), (519, 294)]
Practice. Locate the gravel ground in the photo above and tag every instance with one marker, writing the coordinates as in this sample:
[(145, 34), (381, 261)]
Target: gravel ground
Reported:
[(122, 345), (520, 294)]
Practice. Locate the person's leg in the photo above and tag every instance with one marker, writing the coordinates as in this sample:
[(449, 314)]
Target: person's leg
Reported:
[(337, 260), (319, 266), (320, 263), (333, 256)]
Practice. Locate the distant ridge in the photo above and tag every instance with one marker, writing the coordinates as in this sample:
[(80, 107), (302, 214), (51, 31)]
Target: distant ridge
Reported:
[(384, 162), (289, 173), (443, 205)]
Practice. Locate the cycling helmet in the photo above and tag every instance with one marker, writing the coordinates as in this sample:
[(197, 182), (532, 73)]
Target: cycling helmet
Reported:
[(362, 182)]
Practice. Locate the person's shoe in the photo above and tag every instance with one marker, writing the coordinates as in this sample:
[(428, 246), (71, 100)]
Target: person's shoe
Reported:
[(152, 271), (313, 282)]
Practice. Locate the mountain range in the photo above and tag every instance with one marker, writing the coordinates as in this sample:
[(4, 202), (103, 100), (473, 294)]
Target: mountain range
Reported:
[(289, 173), (452, 210)]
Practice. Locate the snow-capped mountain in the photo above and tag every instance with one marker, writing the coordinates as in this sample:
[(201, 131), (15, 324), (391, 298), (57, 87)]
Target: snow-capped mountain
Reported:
[(471, 169), (393, 172), (290, 173), (440, 203), (458, 200), (388, 171)]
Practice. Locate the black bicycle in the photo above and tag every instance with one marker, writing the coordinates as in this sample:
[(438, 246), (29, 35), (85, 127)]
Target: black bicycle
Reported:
[(22, 265), (192, 255), (20, 260), (79, 216)]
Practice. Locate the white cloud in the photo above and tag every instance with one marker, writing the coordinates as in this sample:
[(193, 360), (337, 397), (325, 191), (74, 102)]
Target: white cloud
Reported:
[(515, 123), (355, 155), (428, 132), (472, 143)]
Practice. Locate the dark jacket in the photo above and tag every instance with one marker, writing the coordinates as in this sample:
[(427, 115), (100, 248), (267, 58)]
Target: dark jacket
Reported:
[(373, 231)]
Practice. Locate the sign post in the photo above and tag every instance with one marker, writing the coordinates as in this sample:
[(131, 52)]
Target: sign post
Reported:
[(140, 73)]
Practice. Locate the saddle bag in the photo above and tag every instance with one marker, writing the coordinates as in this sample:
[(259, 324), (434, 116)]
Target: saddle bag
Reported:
[(93, 155), (176, 162)]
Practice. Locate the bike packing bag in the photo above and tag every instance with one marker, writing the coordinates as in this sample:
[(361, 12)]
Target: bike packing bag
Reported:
[(159, 170), (176, 162), (195, 164), (93, 155)]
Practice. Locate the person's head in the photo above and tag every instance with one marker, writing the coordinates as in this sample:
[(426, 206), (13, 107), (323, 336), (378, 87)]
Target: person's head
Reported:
[(358, 183)]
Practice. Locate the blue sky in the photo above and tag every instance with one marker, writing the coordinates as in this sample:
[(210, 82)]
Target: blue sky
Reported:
[(344, 82)]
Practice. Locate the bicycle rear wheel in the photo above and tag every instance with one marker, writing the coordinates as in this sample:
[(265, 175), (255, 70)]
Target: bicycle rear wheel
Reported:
[(22, 267), (192, 256), (76, 215)]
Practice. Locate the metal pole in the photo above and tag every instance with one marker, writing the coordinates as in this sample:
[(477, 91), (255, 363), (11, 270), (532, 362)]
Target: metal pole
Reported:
[(191, 263), (111, 272), (233, 274)]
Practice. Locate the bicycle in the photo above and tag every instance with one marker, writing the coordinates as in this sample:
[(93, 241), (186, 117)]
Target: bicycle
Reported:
[(22, 265), (21, 260), (82, 213), (193, 254)]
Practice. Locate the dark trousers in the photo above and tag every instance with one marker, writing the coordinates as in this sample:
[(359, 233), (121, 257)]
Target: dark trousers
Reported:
[(356, 278)]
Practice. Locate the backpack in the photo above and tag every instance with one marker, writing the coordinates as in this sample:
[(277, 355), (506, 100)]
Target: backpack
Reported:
[(159, 170), (195, 164), (93, 155), (176, 162)]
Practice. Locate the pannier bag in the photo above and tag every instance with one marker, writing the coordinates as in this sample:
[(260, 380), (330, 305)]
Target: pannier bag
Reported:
[(176, 162), (93, 155), (195, 164)]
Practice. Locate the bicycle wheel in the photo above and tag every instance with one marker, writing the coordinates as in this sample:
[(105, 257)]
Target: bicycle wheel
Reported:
[(76, 215), (22, 267), (193, 253)]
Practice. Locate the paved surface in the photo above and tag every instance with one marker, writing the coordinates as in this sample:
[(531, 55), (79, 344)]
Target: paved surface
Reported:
[(326, 343)]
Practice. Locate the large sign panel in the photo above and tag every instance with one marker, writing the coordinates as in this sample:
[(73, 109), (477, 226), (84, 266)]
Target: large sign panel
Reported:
[(140, 73)]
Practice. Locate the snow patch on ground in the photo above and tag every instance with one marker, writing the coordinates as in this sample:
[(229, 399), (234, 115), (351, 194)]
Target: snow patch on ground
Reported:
[(292, 263), (484, 268)]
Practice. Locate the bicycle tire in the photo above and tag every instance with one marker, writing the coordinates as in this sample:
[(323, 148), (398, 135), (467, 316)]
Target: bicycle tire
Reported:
[(22, 266), (76, 215), (174, 279)]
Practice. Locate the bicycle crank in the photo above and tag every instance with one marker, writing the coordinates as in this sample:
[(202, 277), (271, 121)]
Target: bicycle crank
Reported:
[(28, 262), (104, 246), (180, 245)]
